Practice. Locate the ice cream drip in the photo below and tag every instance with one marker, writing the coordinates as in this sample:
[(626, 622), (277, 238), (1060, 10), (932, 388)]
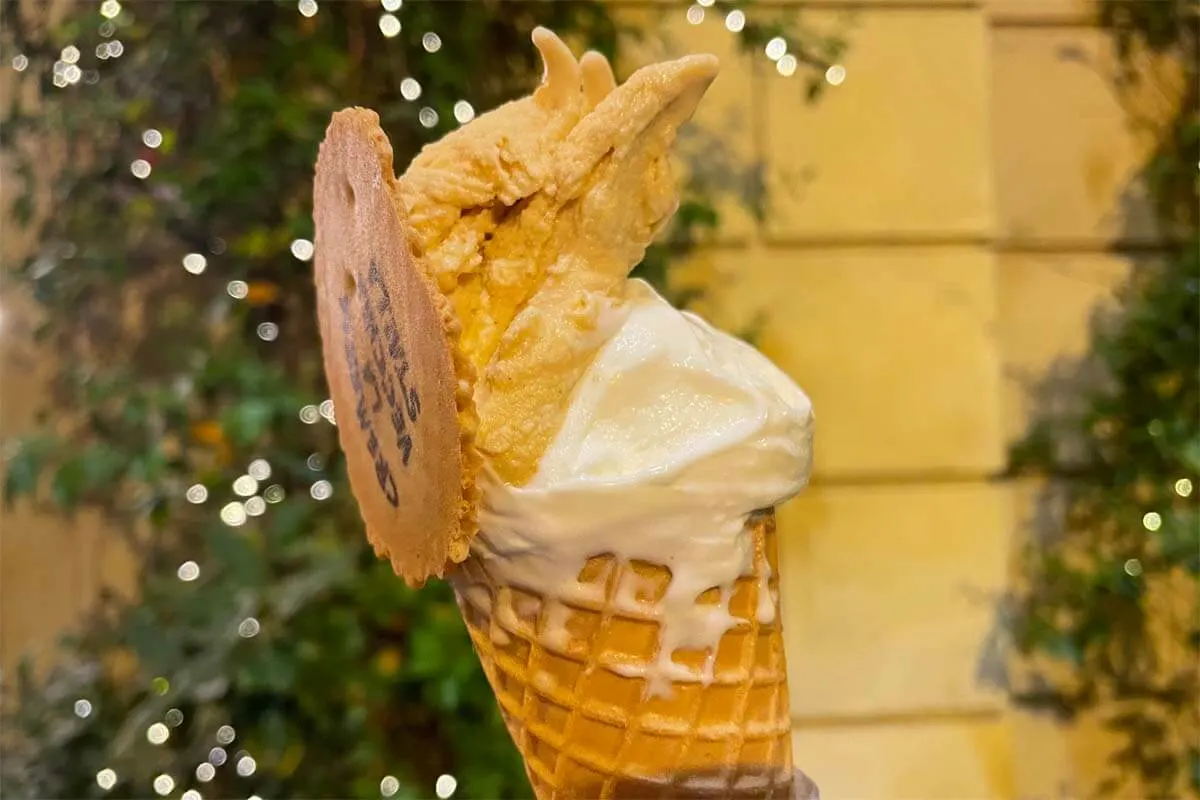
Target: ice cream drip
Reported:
[(674, 436)]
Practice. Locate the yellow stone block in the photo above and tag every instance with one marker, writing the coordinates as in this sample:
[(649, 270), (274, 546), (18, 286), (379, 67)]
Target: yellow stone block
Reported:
[(895, 346), (1032, 12), (889, 599), (1052, 759), (48, 579), (1069, 147), (900, 148), (1047, 304), (938, 760), (718, 146)]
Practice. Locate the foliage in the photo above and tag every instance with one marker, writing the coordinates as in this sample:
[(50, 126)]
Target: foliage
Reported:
[(187, 404), (1112, 594)]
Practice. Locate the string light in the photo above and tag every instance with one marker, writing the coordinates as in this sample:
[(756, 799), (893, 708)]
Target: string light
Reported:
[(174, 717), (69, 54), (190, 794), (234, 514), (392, 5), (835, 75), (735, 20), (195, 263), (248, 628), (217, 755), (1133, 567), (309, 414), (786, 65), (776, 48), (427, 117), (314, 462), (326, 409), (445, 786), (274, 494), (259, 469), (1183, 487), (197, 493), (244, 486), (389, 25), (83, 708), (152, 138), (20, 62), (255, 506), (410, 89), (302, 249), (321, 490), (308, 8), (246, 766), (225, 735), (106, 779), (1152, 521), (188, 571), (695, 14), (205, 772), (109, 9), (431, 42), (238, 289), (389, 786), (157, 734)]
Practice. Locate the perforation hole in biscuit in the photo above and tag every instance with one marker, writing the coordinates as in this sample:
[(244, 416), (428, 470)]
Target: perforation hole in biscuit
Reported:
[(551, 719), (697, 773), (719, 711), (763, 715), (756, 757), (665, 748), (743, 603), (672, 714), (628, 643), (730, 664), (694, 660), (512, 687), (595, 579), (581, 775), (599, 741), (348, 195), (527, 607), (541, 751), (641, 586), (554, 676), (608, 696), (513, 658), (568, 630), (769, 664)]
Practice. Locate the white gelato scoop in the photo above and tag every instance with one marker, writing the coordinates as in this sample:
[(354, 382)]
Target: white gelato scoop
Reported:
[(675, 435)]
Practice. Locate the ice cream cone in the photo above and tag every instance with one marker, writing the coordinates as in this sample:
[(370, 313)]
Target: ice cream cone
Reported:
[(570, 681), (576, 456)]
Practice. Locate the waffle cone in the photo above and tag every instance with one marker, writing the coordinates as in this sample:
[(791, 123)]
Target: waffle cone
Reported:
[(587, 729)]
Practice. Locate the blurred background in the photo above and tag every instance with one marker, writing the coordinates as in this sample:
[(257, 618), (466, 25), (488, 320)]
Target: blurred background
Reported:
[(968, 228)]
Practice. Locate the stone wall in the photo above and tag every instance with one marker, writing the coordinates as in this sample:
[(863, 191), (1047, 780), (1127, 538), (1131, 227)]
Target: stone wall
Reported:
[(942, 225)]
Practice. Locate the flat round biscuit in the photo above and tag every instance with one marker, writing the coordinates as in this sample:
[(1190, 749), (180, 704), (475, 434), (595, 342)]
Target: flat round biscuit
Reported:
[(401, 393)]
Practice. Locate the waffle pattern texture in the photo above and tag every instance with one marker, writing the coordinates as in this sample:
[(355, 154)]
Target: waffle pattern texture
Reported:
[(565, 676)]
